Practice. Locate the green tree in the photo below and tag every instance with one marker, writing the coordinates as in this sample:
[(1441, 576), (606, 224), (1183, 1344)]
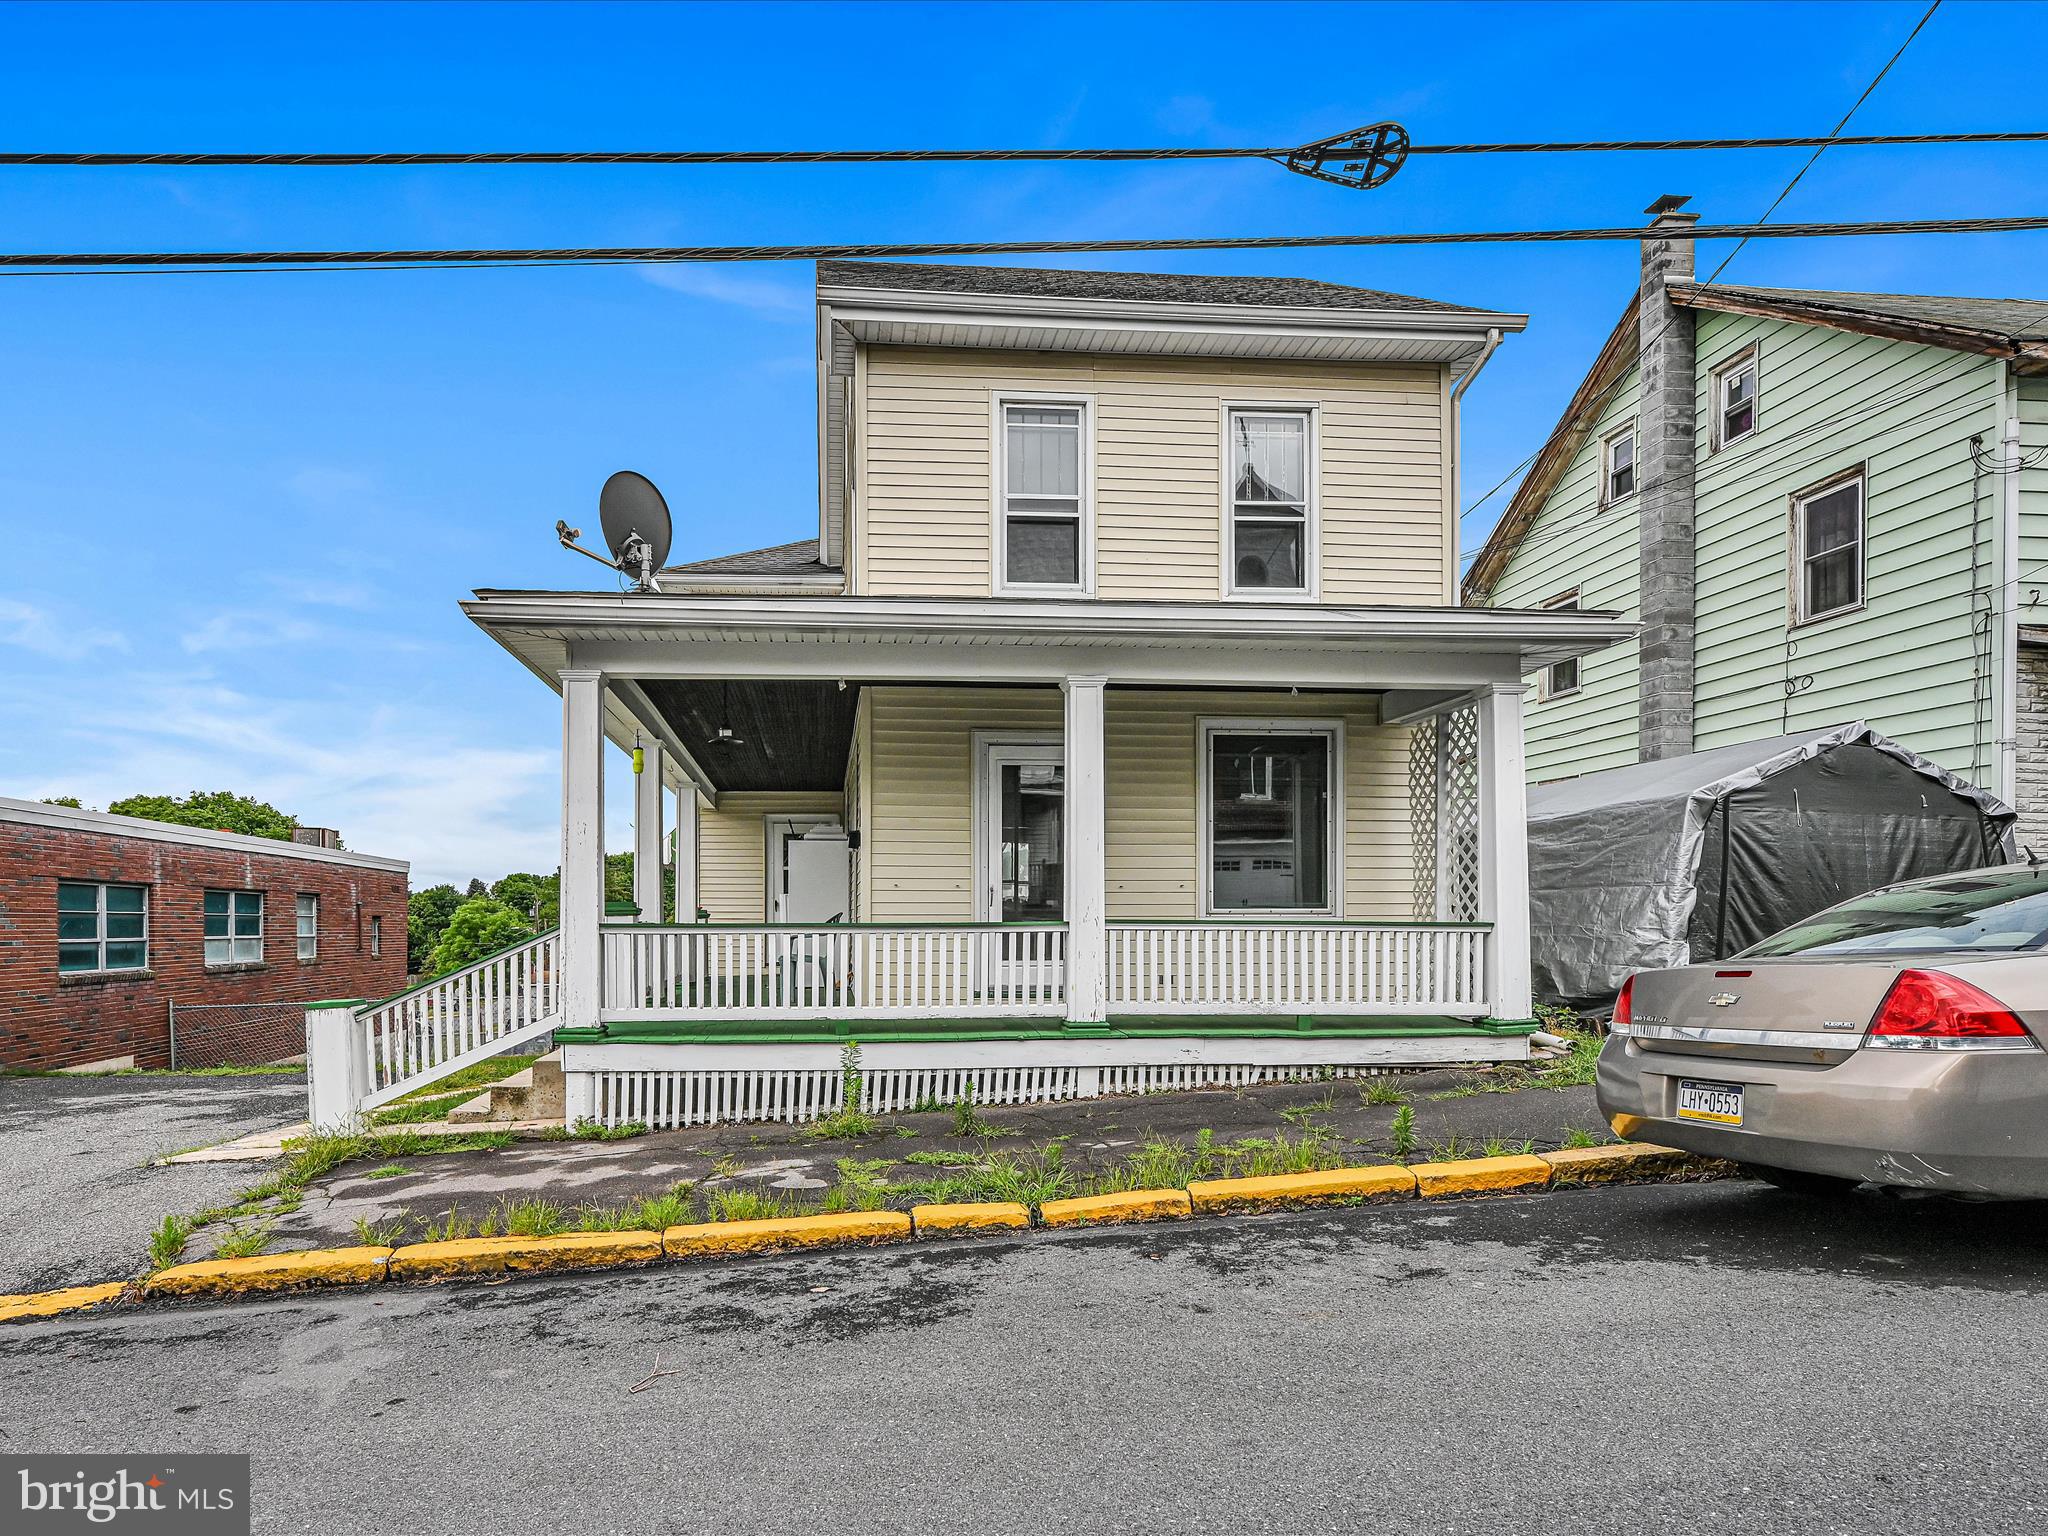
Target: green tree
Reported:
[(220, 810), (537, 897), (427, 914), (66, 800), (618, 877), (479, 927), (476, 889)]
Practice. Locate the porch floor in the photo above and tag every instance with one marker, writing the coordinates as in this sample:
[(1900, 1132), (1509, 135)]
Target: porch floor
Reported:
[(1124, 1026)]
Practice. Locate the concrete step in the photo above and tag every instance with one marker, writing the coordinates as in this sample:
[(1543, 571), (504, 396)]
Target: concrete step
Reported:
[(536, 1093)]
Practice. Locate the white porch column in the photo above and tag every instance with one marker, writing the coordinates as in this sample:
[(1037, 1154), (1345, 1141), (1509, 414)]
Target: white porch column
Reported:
[(582, 888), (1086, 881), (686, 853), (1504, 849), (648, 795)]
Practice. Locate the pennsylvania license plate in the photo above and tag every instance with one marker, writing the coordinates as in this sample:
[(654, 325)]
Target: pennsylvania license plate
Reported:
[(1718, 1102)]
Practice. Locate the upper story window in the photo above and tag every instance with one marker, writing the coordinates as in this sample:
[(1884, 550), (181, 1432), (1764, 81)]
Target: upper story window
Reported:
[(1272, 514), (234, 927), (376, 938), (1735, 399), (1043, 542), (1561, 677), (308, 917), (101, 928), (1827, 547), (1618, 465)]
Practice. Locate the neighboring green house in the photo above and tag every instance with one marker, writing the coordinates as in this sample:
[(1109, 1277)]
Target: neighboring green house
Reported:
[(1821, 507)]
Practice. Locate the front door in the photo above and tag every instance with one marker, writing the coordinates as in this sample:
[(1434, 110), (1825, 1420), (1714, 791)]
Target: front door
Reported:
[(808, 870), (1024, 823)]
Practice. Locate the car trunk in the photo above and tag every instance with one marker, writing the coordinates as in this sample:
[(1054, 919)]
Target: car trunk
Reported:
[(1812, 1010)]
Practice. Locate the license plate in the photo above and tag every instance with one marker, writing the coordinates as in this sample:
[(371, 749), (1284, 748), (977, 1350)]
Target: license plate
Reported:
[(1718, 1102)]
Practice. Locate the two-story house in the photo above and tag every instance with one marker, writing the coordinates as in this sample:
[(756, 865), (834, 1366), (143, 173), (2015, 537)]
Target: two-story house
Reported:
[(1120, 729)]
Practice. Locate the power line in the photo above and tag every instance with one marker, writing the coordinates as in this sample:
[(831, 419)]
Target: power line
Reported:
[(605, 255), (290, 159)]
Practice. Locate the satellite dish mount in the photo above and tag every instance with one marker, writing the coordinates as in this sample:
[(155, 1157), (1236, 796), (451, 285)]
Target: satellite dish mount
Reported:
[(637, 529)]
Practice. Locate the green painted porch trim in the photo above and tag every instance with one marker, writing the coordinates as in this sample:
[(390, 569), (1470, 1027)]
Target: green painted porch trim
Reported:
[(1120, 1027), (622, 909)]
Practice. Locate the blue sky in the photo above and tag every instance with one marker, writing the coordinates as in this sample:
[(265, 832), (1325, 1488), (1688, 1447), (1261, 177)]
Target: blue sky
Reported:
[(239, 510)]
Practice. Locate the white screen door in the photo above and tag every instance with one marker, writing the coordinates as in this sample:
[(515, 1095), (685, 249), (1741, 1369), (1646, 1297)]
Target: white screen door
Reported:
[(1023, 834)]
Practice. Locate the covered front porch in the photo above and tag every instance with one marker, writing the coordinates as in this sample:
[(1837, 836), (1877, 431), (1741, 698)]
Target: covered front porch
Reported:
[(1009, 849)]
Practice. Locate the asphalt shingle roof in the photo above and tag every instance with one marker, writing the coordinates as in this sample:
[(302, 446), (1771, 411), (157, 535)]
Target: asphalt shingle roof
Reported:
[(2009, 318), (1142, 287), (797, 559)]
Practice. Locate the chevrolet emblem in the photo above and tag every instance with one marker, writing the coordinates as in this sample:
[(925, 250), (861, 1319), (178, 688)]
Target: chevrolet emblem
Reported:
[(1723, 1000)]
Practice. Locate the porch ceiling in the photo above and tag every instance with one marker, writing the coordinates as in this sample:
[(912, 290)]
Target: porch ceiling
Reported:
[(790, 735)]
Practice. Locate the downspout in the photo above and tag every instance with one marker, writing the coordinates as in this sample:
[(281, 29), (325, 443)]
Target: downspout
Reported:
[(2008, 673), (1493, 335)]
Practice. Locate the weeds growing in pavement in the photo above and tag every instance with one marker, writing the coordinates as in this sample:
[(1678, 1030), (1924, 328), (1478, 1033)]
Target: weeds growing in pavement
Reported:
[(388, 1171), (1495, 1146), (1403, 1131), (1575, 1138), (849, 1122), (167, 1243), (1029, 1175), (859, 1187), (1381, 1090), (244, 1242), (944, 1159), (747, 1205), (451, 1227), (968, 1123), (382, 1233), (1301, 1114)]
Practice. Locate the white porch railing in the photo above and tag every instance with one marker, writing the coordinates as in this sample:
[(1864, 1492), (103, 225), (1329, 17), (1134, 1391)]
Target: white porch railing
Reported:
[(850, 971), (1280, 968), (465, 1016)]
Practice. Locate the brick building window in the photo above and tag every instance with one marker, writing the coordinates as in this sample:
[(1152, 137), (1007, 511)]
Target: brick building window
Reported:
[(101, 928), (309, 926), (234, 927), (376, 938)]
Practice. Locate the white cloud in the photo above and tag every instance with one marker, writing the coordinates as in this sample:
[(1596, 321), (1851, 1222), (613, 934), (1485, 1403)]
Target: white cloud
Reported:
[(320, 593), (762, 295), (35, 629), (244, 629)]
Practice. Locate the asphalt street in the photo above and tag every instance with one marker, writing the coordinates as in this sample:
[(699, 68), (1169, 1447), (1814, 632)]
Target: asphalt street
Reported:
[(79, 1200), (1684, 1358)]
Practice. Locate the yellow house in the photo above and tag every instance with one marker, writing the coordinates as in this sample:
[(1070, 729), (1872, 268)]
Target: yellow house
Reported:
[(1120, 728)]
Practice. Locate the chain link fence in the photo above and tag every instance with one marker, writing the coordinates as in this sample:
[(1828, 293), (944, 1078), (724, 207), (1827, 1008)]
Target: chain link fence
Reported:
[(236, 1034)]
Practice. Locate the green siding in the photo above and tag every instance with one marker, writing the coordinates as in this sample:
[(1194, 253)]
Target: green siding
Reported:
[(2033, 393), (1574, 543)]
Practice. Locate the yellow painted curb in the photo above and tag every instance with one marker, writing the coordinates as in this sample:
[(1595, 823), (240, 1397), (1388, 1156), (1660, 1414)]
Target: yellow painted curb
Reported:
[(1129, 1205), (1317, 1187), (1479, 1175), (522, 1255), (720, 1237), (270, 1272), (992, 1216), (1601, 1165), (56, 1303)]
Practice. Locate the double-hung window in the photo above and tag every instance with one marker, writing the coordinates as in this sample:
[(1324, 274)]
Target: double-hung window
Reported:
[(1735, 399), (234, 927), (309, 926), (101, 928), (1270, 816), (1827, 548), (1271, 500), (1043, 543), (1562, 677), (376, 938), (1618, 465)]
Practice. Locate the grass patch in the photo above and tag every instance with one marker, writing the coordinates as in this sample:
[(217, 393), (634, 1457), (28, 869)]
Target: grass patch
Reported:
[(1028, 1175), (1302, 1114), (1167, 1164), (968, 1123), (167, 1243), (1403, 1132), (859, 1187), (388, 1171), (1575, 1138), (1381, 1091), (748, 1205), (842, 1125), (380, 1234), (943, 1159), (411, 1111), (244, 1242)]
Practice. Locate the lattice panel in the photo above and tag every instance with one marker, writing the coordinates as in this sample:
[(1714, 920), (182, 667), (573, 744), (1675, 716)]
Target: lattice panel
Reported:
[(1422, 806), (1458, 817)]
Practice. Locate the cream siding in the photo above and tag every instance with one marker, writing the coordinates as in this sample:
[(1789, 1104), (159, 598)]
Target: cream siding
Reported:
[(925, 504), (920, 776), (732, 849)]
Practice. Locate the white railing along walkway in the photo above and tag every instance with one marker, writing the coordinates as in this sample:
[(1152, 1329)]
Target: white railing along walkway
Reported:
[(834, 970), (1279, 968)]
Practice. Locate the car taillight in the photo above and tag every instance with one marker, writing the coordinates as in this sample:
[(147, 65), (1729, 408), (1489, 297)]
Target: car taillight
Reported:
[(1929, 1010), (1624, 1008)]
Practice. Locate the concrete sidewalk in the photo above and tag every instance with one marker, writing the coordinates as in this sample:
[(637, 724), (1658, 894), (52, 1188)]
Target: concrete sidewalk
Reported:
[(1095, 1136)]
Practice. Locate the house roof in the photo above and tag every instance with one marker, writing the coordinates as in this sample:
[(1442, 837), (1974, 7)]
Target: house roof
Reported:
[(799, 558), (2007, 328), (1125, 287)]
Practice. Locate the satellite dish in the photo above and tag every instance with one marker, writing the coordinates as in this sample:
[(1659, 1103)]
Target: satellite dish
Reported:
[(636, 524)]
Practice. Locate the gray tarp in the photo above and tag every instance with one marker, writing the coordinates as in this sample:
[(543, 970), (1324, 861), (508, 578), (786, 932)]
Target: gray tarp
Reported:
[(1659, 862)]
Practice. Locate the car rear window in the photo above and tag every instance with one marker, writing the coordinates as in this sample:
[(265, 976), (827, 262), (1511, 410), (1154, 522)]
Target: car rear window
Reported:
[(1987, 912)]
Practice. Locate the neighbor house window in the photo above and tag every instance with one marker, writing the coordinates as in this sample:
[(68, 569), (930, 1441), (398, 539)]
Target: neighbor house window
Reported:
[(376, 938), (1270, 817), (1271, 452), (1044, 540), (1562, 677), (1827, 548), (101, 928), (1735, 399), (234, 927), (1618, 465), (309, 927)]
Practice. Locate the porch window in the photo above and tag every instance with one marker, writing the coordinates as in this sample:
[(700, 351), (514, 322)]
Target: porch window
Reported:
[(1562, 677), (1827, 556), (234, 927), (1044, 500), (1618, 465), (1735, 399), (1270, 455), (101, 928), (309, 926), (1270, 819)]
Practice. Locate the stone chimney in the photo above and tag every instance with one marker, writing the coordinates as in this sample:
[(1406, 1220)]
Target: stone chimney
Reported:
[(1664, 475)]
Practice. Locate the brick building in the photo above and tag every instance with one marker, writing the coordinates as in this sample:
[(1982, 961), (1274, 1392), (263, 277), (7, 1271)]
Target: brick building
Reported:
[(108, 922)]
